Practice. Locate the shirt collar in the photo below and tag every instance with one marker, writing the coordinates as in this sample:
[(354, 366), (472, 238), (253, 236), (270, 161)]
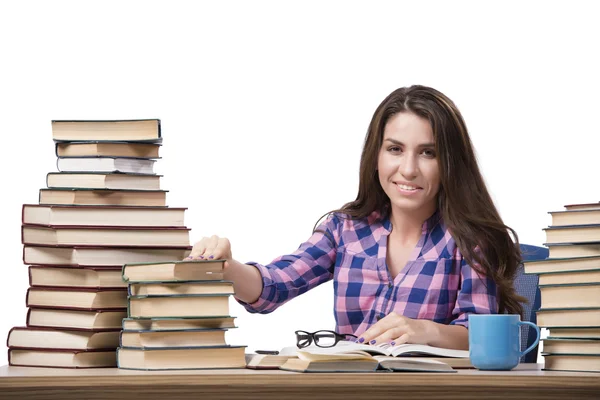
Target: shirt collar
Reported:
[(427, 226)]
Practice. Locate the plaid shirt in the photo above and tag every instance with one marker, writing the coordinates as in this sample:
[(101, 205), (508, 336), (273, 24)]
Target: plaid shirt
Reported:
[(436, 283)]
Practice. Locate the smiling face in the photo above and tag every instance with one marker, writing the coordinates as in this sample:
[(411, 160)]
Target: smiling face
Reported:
[(407, 165)]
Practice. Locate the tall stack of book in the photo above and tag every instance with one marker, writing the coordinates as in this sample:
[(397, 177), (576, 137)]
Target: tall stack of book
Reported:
[(569, 281), (103, 209), (178, 314)]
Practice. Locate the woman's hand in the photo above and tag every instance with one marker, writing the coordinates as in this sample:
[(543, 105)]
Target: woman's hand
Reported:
[(213, 247), (397, 329), (247, 281)]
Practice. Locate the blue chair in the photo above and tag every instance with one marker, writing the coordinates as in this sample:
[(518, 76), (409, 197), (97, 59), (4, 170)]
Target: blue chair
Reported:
[(527, 286)]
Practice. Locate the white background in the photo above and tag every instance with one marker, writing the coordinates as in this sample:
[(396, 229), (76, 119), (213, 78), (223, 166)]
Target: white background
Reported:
[(265, 104)]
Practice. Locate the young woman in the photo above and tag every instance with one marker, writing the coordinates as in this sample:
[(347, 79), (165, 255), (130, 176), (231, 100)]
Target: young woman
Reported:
[(420, 248)]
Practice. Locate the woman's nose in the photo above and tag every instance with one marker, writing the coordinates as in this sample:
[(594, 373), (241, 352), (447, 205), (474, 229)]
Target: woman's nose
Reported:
[(408, 166)]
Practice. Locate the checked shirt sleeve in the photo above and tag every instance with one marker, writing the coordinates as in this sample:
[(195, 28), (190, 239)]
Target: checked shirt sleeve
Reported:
[(291, 275), (477, 295)]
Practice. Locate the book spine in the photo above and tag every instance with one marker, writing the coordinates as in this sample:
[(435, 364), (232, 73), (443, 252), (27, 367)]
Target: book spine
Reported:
[(28, 317), (8, 336), (27, 298), (30, 279)]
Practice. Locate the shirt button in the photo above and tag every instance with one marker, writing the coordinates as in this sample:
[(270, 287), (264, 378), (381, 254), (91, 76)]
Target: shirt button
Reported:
[(390, 284)]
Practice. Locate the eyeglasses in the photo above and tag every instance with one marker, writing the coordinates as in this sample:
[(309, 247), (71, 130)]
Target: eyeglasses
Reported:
[(321, 338)]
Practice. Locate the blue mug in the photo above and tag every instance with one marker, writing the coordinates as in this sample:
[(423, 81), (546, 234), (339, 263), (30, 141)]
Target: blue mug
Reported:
[(495, 341)]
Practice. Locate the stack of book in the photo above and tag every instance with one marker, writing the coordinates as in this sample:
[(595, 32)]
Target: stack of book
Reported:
[(102, 210), (178, 314), (569, 281)]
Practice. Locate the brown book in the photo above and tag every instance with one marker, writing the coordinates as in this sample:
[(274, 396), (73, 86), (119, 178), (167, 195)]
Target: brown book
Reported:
[(53, 358), (106, 130), (103, 197), (179, 338), (178, 306), (568, 317), (561, 265), (266, 361), (184, 287), (592, 332), (166, 324), (107, 149), (346, 361), (576, 217), (103, 180), (583, 206), (64, 339), (35, 214), (571, 346), (573, 234), (70, 236), (77, 298), (94, 320), (100, 256), (190, 358), (570, 296), (570, 277), (106, 164), (572, 362), (196, 270), (91, 277), (570, 250)]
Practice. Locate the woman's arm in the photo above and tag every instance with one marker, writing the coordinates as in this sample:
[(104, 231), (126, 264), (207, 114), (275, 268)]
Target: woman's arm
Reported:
[(264, 288), (477, 295)]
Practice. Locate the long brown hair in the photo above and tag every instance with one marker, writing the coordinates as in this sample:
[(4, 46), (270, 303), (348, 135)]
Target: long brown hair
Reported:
[(464, 202)]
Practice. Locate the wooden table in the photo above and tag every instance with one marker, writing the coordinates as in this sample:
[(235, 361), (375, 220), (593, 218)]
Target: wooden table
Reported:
[(527, 382)]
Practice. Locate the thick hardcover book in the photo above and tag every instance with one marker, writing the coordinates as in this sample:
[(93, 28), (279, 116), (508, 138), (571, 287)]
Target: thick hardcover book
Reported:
[(65, 277), (133, 130), (172, 338), (103, 180), (70, 215), (216, 357), (103, 197), (568, 250), (568, 317), (166, 324), (106, 164), (99, 256), (174, 271), (572, 362), (84, 320), (77, 298), (62, 339), (569, 277), (96, 148), (579, 295), (53, 358), (589, 233), (561, 264), (182, 287), (70, 236), (178, 306)]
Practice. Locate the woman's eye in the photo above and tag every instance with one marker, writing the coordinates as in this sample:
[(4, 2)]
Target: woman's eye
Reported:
[(429, 153), (394, 149)]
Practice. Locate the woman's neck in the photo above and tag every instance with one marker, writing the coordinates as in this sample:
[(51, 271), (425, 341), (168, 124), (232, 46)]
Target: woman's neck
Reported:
[(407, 225)]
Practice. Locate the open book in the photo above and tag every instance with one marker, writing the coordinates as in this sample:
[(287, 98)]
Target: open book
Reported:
[(355, 357)]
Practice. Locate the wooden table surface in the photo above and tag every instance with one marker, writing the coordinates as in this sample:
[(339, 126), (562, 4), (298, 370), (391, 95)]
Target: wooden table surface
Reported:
[(526, 382)]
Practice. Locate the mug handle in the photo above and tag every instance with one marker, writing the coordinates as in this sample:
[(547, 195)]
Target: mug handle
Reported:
[(537, 339)]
